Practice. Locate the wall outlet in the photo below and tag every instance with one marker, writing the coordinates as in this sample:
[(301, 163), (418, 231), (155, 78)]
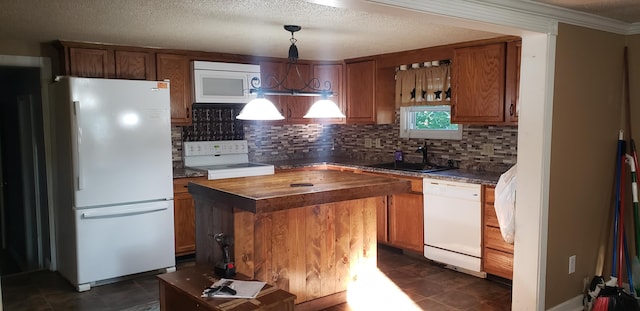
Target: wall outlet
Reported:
[(572, 264), (487, 149), (367, 142), (378, 143)]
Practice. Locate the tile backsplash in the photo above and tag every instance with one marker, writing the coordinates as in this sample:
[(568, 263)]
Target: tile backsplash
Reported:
[(317, 141)]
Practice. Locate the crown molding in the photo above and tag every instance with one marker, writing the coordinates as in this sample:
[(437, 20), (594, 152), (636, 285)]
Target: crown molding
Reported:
[(523, 14)]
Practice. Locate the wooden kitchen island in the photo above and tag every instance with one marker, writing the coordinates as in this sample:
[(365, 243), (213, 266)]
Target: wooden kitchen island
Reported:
[(307, 232)]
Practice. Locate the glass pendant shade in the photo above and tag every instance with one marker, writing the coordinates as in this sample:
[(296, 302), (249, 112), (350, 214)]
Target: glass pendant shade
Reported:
[(260, 109), (324, 108)]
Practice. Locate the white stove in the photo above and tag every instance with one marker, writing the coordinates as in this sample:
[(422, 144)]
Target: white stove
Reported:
[(223, 159)]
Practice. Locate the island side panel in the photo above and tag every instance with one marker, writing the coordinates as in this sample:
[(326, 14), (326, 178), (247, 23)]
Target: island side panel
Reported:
[(298, 224), (313, 251), (328, 252), (370, 232), (212, 217), (343, 236), (244, 243)]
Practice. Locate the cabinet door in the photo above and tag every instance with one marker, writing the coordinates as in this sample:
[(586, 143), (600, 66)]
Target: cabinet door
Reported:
[(184, 218), (90, 62), (270, 74), (406, 221), (331, 73), (135, 65), (297, 106), (478, 84), (361, 92), (382, 221), (176, 69), (512, 93)]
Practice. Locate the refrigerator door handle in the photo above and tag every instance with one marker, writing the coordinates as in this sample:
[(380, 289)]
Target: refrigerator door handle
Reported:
[(78, 135), (128, 212)]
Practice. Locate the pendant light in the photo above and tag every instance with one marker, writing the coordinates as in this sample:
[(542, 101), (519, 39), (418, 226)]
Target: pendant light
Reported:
[(261, 108)]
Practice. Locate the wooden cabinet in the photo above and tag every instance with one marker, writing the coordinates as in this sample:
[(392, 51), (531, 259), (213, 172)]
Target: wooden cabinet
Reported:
[(406, 221), (512, 93), (293, 108), (270, 74), (400, 222), (103, 61), (89, 62), (360, 92), (184, 217), (334, 75), (135, 65), (176, 69), (497, 255), (478, 84), (297, 106), (485, 83)]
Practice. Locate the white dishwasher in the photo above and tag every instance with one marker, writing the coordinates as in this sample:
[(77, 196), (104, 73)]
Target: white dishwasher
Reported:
[(452, 224)]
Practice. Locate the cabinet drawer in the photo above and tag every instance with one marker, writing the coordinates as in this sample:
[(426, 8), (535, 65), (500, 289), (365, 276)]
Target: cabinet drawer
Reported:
[(498, 263), (493, 239), (180, 184)]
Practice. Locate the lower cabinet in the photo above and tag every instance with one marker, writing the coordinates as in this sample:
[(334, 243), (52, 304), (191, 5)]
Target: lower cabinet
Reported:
[(184, 217), (406, 221), (401, 221), (497, 255)]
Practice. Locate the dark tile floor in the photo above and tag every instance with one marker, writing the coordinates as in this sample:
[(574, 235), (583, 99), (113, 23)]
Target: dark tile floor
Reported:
[(417, 283)]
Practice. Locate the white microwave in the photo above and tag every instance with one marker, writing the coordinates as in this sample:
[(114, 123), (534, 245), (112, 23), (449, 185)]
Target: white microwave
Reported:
[(223, 83)]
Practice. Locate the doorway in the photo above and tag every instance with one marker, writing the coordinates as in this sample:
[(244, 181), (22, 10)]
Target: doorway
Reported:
[(24, 221)]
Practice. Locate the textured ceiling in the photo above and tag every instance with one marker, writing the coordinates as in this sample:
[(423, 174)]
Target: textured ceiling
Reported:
[(347, 29), (235, 26)]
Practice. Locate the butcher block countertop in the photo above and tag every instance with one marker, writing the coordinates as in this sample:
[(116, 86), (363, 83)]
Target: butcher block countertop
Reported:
[(285, 190)]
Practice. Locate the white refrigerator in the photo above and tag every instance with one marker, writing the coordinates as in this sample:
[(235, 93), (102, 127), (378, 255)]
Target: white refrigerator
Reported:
[(112, 186)]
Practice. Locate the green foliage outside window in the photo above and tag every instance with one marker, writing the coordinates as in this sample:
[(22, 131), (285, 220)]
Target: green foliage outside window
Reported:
[(434, 120)]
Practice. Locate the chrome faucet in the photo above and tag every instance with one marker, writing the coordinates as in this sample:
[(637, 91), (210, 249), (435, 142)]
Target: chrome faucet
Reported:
[(423, 149)]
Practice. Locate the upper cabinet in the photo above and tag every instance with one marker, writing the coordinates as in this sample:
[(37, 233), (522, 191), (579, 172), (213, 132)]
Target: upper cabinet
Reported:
[(176, 69), (101, 61), (484, 79), (297, 106), (477, 83), (332, 74), (512, 93), (484, 82), (293, 108), (360, 102), (135, 65), (89, 62)]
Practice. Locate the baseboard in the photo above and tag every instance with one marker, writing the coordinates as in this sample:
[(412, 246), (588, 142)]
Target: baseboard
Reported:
[(573, 304)]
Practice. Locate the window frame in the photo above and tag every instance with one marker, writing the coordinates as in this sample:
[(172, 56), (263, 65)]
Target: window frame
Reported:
[(407, 129)]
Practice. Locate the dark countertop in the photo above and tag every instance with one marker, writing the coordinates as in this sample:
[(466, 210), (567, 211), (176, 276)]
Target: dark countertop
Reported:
[(461, 175)]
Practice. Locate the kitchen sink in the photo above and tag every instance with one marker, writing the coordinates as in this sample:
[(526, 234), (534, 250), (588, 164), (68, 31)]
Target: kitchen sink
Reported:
[(411, 167)]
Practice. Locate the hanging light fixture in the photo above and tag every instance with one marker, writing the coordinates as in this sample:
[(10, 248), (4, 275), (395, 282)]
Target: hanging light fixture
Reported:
[(261, 108)]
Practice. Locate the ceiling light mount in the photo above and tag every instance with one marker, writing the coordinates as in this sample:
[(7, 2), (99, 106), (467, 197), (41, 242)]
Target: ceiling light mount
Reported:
[(293, 49)]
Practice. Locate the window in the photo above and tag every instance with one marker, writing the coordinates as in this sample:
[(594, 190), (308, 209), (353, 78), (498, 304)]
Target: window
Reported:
[(432, 122)]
